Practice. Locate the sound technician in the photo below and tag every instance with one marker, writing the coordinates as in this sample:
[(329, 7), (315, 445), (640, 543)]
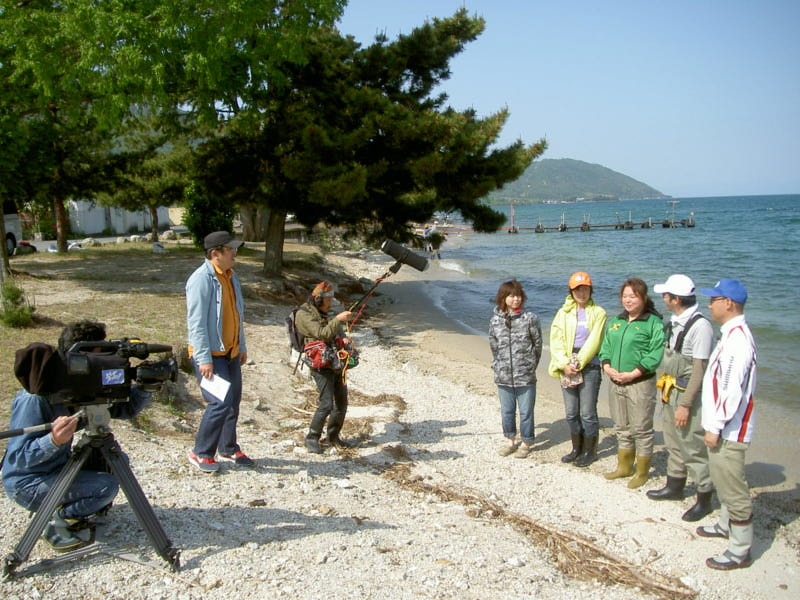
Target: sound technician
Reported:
[(316, 324)]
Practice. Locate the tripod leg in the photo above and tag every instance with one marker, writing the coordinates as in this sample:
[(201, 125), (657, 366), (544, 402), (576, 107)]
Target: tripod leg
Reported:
[(141, 507), (46, 509)]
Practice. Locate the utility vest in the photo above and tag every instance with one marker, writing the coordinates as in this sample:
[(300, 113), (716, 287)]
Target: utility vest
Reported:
[(677, 367)]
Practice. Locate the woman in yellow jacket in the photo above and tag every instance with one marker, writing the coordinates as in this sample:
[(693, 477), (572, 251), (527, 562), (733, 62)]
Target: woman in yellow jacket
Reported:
[(575, 338)]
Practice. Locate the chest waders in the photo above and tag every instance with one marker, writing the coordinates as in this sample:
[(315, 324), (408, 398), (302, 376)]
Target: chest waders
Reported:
[(677, 369)]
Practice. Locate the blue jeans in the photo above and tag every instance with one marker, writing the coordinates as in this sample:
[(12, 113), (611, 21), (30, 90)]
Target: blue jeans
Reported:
[(580, 403), (217, 431), (89, 492), (511, 398)]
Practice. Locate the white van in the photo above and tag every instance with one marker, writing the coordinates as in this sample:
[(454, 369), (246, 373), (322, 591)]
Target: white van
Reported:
[(13, 226)]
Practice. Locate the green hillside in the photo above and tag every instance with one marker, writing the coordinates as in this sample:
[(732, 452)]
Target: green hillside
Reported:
[(567, 179)]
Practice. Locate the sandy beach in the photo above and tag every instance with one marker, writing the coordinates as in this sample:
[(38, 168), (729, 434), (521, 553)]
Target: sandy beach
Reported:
[(423, 508)]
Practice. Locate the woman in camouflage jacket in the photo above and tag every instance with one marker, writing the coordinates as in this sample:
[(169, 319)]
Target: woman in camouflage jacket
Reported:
[(515, 337)]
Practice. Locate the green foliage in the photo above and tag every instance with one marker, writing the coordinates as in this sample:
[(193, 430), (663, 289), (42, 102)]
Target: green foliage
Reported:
[(360, 141), (16, 310), (150, 170), (436, 239), (73, 73), (205, 213), (567, 179), (330, 240)]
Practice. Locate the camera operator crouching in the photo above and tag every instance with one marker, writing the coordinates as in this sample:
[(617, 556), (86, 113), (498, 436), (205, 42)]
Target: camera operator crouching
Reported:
[(33, 461), (314, 321)]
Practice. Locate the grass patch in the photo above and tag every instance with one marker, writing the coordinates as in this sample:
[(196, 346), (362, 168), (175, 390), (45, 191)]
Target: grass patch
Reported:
[(16, 310)]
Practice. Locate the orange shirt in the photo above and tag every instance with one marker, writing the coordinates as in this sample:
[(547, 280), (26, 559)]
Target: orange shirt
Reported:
[(230, 316)]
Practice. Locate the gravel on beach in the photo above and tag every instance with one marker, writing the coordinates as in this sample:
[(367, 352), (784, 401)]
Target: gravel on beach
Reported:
[(388, 520)]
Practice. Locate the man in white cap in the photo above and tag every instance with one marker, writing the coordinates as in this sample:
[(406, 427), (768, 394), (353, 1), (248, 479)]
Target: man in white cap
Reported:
[(728, 419), (688, 339)]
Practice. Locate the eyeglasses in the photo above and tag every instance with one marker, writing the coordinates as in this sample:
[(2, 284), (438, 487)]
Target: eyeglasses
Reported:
[(715, 298)]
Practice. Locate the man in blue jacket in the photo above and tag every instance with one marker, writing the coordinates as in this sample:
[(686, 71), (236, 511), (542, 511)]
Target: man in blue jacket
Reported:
[(215, 320), (34, 460)]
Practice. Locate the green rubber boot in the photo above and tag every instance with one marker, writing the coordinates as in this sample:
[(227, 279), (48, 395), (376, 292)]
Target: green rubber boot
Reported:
[(624, 464), (642, 470)]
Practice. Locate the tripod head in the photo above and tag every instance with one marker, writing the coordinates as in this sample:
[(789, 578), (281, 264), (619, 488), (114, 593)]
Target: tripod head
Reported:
[(97, 419)]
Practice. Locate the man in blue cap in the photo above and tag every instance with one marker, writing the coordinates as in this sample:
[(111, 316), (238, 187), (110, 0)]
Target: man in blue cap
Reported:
[(728, 419)]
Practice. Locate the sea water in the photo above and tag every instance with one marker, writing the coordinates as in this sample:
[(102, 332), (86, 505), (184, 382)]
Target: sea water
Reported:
[(754, 239)]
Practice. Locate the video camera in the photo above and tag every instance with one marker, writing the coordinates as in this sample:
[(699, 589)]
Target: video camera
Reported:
[(94, 372)]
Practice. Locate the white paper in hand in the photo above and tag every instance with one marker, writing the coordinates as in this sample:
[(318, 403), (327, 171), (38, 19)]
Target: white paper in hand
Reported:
[(216, 386)]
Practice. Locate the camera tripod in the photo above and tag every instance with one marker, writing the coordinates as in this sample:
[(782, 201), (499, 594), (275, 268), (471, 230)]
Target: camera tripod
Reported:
[(97, 436)]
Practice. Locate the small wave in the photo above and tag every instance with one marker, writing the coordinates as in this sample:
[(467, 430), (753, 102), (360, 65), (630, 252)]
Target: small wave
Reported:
[(437, 294), (451, 265)]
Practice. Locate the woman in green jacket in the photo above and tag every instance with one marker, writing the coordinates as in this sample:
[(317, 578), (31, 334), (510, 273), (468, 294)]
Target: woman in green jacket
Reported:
[(575, 338), (630, 354)]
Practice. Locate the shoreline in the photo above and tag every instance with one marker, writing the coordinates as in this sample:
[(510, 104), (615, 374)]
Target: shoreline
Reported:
[(769, 465), (424, 507)]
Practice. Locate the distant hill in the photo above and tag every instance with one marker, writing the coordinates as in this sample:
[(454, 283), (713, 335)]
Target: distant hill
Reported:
[(568, 179)]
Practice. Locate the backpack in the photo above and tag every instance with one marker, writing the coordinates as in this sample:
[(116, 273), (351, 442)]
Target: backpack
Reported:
[(296, 339)]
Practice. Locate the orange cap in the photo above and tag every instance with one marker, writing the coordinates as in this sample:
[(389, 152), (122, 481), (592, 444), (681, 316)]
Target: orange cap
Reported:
[(578, 279)]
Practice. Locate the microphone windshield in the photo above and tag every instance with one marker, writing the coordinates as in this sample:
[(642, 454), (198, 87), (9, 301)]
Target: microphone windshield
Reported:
[(403, 255)]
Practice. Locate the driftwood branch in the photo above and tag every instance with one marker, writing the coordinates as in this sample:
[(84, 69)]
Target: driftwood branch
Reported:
[(575, 555)]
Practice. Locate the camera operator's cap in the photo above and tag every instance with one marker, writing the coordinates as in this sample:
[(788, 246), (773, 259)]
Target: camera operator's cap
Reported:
[(727, 288), (221, 238), (578, 279), (324, 289), (677, 285)]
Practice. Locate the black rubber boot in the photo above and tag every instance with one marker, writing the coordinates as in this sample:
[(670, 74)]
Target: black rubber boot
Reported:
[(589, 452), (312, 445), (340, 443), (577, 447), (672, 491), (701, 508), (312, 441)]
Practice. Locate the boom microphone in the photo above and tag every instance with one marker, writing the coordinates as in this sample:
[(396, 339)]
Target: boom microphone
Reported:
[(405, 256)]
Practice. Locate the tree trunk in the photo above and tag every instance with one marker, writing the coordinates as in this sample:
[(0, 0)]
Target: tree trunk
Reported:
[(273, 246), (154, 222), (6, 264), (62, 224), (255, 220)]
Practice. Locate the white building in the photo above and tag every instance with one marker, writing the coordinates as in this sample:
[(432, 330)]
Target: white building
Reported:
[(89, 218)]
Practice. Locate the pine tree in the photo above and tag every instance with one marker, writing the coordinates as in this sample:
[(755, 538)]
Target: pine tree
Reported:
[(359, 140)]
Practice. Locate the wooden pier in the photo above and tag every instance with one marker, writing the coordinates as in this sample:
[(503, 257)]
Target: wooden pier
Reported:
[(669, 222)]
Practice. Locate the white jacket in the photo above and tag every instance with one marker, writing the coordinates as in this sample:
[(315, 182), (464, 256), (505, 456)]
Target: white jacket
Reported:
[(730, 382)]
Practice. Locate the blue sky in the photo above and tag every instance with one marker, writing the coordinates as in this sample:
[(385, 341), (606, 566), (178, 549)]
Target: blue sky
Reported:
[(695, 98)]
